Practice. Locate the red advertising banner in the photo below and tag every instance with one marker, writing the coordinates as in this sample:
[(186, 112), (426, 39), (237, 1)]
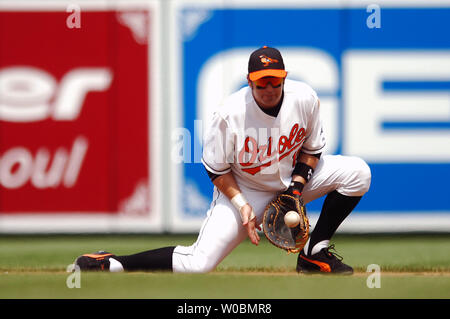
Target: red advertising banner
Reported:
[(74, 111)]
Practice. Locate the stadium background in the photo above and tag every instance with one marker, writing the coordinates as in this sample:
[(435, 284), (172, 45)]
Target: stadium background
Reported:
[(101, 122)]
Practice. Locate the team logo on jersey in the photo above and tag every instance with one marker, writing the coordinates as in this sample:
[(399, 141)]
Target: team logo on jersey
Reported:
[(264, 155), (265, 60)]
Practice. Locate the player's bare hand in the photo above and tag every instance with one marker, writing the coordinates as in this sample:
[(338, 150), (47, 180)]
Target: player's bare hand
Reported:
[(249, 222)]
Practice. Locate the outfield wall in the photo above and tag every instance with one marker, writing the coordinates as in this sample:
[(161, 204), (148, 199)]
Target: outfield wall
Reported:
[(103, 105)]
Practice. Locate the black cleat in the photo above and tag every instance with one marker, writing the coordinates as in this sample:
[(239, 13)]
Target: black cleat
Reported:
[(97, 261), (323, 262)]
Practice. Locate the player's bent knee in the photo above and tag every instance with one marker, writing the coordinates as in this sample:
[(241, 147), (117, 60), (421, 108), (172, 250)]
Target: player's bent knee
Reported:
[(202, 265), (190, 260), (363, 176), (358, 177)]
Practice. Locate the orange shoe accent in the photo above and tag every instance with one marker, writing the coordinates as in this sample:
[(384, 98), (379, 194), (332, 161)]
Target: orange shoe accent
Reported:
[(98, 257), (324, 267)]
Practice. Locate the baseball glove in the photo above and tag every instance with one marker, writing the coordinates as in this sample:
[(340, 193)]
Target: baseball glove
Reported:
[(276, 230)]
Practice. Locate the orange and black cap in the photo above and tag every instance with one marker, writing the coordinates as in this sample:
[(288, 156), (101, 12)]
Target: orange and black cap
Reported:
[(266, 61)]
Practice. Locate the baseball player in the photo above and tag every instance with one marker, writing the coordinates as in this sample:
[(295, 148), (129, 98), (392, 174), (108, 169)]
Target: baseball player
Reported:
[(265, 139)]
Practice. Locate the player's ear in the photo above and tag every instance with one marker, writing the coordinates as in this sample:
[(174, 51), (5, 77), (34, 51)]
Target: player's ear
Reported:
[(249, 82)]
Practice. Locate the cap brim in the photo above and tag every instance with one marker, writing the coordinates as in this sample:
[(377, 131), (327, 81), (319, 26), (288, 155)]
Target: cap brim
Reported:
[(268, 72)]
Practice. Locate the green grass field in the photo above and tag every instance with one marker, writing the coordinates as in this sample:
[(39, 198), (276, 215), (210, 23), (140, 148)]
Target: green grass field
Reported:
[(412, 266)]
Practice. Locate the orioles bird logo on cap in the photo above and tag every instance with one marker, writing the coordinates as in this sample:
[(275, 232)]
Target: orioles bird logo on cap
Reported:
[(265, 60)]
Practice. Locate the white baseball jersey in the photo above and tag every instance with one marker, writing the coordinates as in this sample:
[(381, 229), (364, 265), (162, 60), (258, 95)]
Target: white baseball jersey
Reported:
[(261, 152), (260, 149)]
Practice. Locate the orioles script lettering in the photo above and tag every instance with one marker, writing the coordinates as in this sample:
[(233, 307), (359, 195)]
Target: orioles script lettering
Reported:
[(264, 155)]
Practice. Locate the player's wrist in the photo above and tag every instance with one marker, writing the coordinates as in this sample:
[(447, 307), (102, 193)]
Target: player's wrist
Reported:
[(303, 170), (296, 188), (239, 202)]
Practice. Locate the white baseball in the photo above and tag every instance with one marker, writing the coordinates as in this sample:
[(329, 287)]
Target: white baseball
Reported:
[(292, 219)]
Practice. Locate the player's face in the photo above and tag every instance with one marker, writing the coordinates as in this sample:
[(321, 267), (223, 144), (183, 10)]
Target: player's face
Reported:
[(267, 91)]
